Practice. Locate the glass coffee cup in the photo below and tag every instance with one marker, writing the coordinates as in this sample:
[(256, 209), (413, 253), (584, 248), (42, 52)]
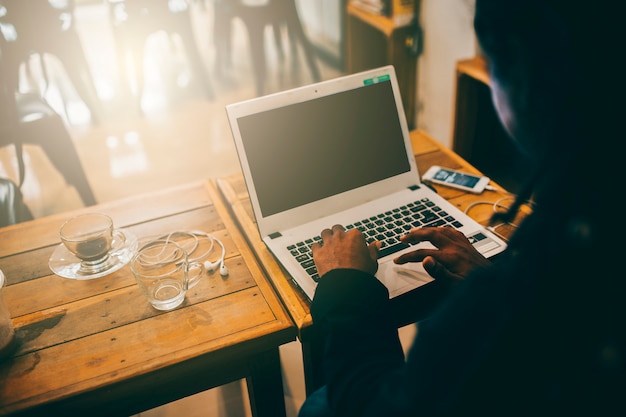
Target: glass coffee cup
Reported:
[(91, 237)]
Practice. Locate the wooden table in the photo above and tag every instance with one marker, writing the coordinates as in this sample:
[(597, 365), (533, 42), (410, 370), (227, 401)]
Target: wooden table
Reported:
[(96, 347), (428, 152)]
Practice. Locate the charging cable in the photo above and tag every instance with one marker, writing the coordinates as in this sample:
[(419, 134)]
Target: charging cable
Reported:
[(497, 205)]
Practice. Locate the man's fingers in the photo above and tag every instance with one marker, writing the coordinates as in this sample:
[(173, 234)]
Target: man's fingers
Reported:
[(326, 233), (374, 247), (417, 255)]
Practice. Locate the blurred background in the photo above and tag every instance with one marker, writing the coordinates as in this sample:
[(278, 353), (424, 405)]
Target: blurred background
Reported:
[(134, 90)]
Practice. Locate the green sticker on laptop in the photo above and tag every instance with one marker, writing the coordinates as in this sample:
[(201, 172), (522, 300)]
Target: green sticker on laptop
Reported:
[(375, 80)]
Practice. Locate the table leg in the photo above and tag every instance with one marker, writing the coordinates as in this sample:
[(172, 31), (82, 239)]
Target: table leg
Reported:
[(265, 385)]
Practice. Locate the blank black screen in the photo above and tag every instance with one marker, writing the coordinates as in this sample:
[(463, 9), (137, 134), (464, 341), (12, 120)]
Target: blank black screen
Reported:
[(312, 150)]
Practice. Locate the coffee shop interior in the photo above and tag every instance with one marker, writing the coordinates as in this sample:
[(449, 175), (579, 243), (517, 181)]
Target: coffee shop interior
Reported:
[(160, 120)]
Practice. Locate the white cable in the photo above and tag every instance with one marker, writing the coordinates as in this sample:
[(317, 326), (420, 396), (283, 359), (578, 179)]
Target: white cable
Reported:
[(211, 266), (155, 259), (497, 205), (190, 249)]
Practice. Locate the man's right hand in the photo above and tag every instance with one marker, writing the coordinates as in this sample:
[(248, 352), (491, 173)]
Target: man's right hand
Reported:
[(453, 258)]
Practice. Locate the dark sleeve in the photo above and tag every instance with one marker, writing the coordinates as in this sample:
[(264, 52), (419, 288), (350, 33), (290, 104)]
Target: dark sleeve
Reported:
[(365, 369), (353, 307)]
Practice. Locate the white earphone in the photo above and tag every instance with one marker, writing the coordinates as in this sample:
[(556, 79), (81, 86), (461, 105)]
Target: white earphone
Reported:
[(212, 266)]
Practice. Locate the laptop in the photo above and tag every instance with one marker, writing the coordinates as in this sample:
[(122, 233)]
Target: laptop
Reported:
[(339, 152)]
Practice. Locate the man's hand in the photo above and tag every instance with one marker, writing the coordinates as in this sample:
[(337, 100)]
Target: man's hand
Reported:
[(453, 259), (344, 249)]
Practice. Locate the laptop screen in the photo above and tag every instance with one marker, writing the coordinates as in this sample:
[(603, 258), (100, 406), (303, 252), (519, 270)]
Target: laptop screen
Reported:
[(311, 150)]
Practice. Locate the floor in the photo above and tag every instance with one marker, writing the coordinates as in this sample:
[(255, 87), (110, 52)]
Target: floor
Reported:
[(181, 137)]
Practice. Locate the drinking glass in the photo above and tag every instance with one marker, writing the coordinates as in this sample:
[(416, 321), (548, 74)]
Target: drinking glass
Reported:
[(163, 272)]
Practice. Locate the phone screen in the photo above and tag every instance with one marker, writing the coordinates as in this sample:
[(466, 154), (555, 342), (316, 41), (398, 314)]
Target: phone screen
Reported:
[(456, 178)]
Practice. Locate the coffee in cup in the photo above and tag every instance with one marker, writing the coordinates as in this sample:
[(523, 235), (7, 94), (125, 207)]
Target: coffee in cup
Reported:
[(91, 237)]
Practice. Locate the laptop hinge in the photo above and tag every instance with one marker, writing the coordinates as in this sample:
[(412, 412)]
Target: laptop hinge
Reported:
[(274, 235), (414, 187)]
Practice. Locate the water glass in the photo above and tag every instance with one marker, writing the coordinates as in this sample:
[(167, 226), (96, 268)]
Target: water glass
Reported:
[(164, 274)]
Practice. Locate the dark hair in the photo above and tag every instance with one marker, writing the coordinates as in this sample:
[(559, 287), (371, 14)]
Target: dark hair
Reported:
[(564, 48)]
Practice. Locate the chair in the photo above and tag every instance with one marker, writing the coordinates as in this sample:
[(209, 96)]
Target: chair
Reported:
[(12, 207), (257, 16), (27, 118), (45, 27), (133, 21)]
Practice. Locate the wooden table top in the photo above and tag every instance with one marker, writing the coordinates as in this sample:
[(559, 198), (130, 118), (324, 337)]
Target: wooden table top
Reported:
[(98, 345), (428, 152)]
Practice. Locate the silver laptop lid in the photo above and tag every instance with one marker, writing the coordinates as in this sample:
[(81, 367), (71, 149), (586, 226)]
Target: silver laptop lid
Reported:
[(315, 150)]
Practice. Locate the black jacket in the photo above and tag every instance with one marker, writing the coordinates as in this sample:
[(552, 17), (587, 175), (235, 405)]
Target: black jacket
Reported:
[(541, 332)]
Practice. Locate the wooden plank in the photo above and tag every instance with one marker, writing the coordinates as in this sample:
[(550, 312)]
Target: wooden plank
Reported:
[(475, 67), (134, 349), (33, 264), (382, 23), (232, 188), (111, 309), (297, 303), (249, 257), (125, 212), (422, 143), (19, 268), (200, 217)]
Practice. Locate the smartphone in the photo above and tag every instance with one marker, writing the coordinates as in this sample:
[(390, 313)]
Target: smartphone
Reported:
[(456, 179)]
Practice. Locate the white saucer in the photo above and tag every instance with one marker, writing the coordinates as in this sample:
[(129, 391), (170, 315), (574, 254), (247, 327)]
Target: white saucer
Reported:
[(66, 265)]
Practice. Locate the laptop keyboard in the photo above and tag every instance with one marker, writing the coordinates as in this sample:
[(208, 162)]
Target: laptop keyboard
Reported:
[(385, 227)]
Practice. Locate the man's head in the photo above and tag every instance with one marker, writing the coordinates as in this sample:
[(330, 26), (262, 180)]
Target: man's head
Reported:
[(551, 65)]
